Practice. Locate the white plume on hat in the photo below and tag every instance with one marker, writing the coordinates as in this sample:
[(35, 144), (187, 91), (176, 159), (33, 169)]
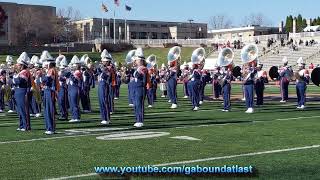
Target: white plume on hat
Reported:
[(34, 60), (83, 58), (87, 61), (162, 65), (23, 59), (9, 60), (75, 60), (300, 61), (105, 56), (285, 60), (63, 63), (59, 59), (139, 53), (46, 57)]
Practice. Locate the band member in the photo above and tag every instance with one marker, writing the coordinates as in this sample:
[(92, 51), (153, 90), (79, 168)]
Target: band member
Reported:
[(9, 80), (129, 80), (3, 83), (248, 83), (163, 81), (112, 70), (140, 83), (285, 71), (150, 88), (185, 79), (63, 103), (74, 85), (86, 86), (302, 79), (216, 84), (194, 86), (33, 106), (51, 86), (205, 77), (226, 79), (22, 82), (117, 85), (104, 80), (259, 85), (172, 83)]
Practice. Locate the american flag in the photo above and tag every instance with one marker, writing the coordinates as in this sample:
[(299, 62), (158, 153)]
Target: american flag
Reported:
[(104, 8), (128, 8), (117, 2)]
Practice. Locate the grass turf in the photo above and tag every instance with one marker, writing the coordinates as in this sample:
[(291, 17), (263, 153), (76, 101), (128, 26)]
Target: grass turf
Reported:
[(273, 126)]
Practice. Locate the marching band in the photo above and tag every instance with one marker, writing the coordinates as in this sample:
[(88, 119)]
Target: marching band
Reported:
[(34, 86)]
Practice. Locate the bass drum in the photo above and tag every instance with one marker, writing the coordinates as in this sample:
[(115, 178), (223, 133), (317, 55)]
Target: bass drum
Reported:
[(236, 71), (163, 87), (315, 76), (273, 73)]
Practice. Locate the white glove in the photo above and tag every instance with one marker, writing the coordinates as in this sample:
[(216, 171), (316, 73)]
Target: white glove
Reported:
[(192, 79), (301, 73)]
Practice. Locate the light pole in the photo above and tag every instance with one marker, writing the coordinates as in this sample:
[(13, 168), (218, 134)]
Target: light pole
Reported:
[(190, 21)]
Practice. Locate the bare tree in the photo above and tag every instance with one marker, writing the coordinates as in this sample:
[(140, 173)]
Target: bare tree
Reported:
[(27, 23), (256, 19), (220, 21), (64, 30)]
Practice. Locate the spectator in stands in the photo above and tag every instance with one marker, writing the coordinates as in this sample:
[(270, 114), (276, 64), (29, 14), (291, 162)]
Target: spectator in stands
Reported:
[(300, 42), (282, 42), (235, 44), (228, 44), (311, 66), (306, 43)]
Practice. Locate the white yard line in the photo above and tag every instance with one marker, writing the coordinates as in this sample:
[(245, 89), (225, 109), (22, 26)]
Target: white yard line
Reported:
[(205, 159), (161, 113), (178, 127)]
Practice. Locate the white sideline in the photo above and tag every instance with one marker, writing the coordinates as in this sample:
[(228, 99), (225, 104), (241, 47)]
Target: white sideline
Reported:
[(206, 159), (97, 134)]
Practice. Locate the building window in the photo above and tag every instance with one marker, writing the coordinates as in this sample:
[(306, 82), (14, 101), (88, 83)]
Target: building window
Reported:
[(164, 36), (133, 35), (143, 35), (164, 25), (154, 35), (154, 25), (143, 25)]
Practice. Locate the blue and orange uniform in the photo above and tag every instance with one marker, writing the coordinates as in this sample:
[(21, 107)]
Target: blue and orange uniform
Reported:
[(50, 87), (22, 84)]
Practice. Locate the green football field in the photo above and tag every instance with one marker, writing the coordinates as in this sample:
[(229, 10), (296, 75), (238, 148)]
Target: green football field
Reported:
[(278, 140)]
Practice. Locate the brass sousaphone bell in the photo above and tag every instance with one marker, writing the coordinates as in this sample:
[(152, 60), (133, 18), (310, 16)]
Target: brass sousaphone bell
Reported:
[(151, 61), (198, 56), (174, 54)]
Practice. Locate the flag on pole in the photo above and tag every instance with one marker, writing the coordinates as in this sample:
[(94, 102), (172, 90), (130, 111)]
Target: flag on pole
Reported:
[(104, 8), (128, 8), (117, 2)]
